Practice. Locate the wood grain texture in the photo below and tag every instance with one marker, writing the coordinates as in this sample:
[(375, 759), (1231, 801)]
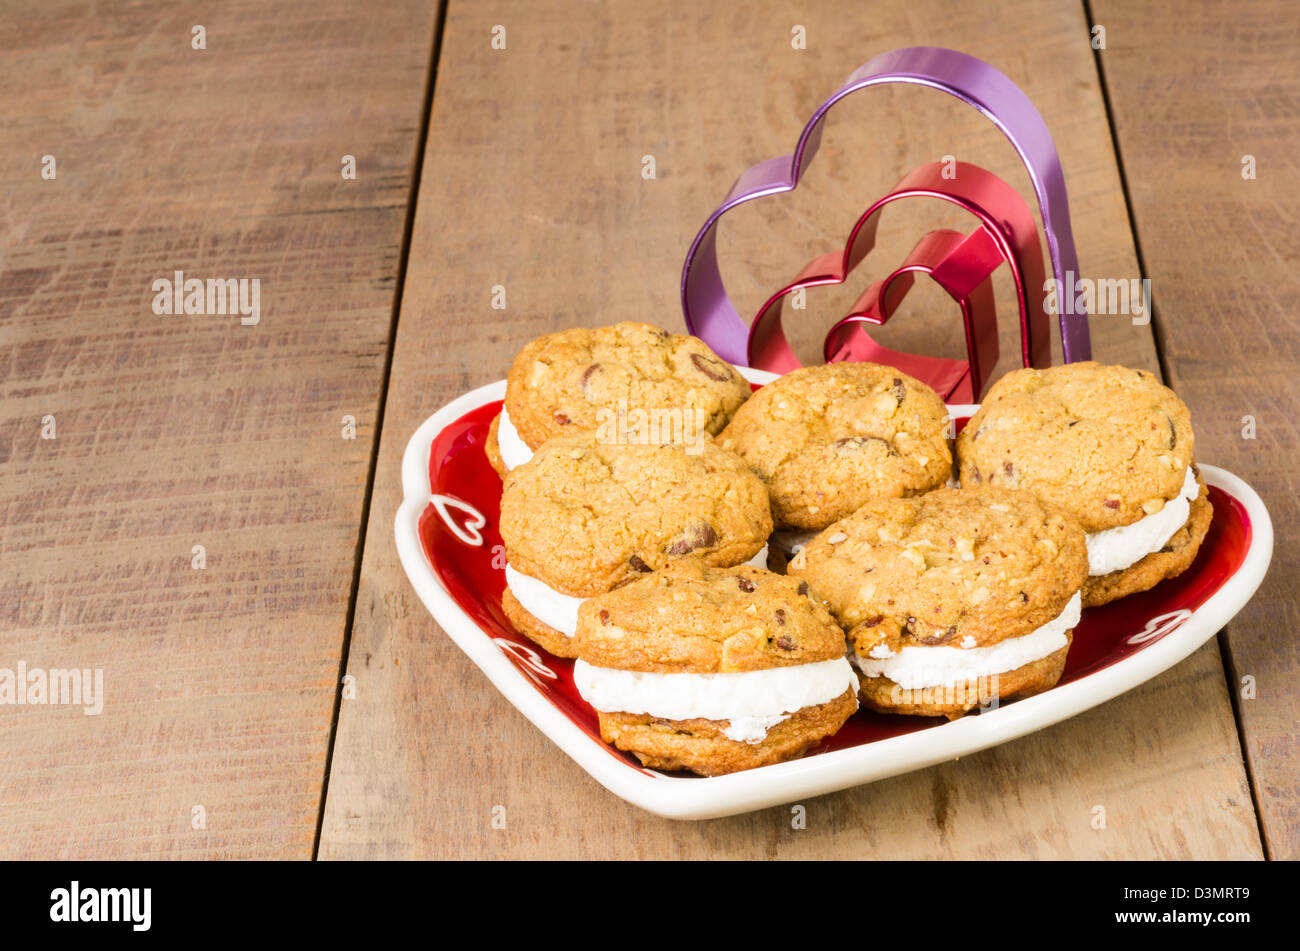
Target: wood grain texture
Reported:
[(176, 431), (532, 180), (1195, 89)]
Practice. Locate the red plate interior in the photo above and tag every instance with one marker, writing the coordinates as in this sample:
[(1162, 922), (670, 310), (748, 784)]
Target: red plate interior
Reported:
[(467, 555)]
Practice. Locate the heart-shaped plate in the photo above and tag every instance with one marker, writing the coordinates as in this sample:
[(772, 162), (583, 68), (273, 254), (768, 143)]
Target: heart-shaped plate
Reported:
[(449, 545)]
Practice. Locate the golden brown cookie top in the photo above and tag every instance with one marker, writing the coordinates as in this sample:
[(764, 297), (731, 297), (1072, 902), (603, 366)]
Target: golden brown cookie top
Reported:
[(958, 567), (563, 381), (584, 515), (1107, 444), (697, 619), (826, 439)]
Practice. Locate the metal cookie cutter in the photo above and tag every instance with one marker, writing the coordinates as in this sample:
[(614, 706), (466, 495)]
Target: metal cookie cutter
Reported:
[(710, 314)]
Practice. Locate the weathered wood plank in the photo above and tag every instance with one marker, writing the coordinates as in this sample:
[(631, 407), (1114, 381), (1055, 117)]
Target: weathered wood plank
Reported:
[(1199, 92), (177, 431)]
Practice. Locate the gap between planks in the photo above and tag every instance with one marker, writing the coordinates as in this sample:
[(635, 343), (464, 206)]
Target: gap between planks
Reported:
[(422, 137)]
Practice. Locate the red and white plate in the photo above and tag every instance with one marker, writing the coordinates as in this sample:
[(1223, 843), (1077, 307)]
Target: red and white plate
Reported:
[(450, 548)]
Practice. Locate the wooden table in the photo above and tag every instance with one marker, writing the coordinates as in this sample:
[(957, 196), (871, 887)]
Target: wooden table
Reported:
[(275, 446)]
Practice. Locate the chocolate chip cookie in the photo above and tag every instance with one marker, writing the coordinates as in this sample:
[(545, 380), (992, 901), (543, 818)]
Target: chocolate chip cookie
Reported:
[(642, 383), (1110, 445), (711, 669), (585, 516), (827, 439), (951, 599)]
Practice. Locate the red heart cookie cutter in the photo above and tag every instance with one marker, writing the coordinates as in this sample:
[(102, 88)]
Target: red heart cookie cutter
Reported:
[(961, 264)]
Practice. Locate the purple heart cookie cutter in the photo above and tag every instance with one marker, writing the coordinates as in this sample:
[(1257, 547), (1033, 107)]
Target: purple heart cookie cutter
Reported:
[(708, 310)]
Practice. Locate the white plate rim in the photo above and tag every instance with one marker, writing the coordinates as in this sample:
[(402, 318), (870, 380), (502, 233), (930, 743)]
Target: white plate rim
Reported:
[(701, 798)]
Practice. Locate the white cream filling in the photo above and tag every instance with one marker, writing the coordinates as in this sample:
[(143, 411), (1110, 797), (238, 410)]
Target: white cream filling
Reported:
[(914, 668), (559, 610), (754, 701), (1117, 548), (514, 451), (553, 608)]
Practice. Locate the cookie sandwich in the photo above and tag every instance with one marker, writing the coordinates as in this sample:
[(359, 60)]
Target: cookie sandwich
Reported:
[(957, 599), (1111, 446), (584, 516), (642, 383), (711, 669), (827, 439)]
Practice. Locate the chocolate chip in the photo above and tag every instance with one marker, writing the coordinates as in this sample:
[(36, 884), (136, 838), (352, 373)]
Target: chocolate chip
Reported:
[(637, 564), (586, 375), (562, 419), (710, 368), (1024, 597), (780, 616), (785, 642), (700, 536), (1072, 424), (1111, 503), (604, 617), (936, 639), (873, 621), (803, 587), (1009, 470), (746, 585), (900, 392), (1173, 433), (986, 559)]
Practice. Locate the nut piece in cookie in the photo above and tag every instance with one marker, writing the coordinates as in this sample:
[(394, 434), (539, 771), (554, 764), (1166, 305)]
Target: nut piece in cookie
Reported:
[(827, 439), (713, 670), (1111, 446), (952, 600), (641, 383), (584, 516)]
